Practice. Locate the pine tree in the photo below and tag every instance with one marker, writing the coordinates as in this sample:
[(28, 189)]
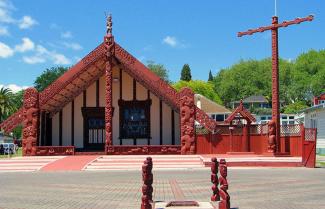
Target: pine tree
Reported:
[(186, 73), (210, 76)]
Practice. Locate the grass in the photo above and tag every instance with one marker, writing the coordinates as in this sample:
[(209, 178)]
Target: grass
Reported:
[(17, 154)]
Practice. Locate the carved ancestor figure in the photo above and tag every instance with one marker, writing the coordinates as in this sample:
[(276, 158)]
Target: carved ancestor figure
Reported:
[(214, 180), (187, 114), (272, 138), (225, 198), (147, 189), (30, 121)]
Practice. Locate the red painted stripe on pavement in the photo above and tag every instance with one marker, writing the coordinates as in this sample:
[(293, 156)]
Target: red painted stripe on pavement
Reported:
[(70, 163)]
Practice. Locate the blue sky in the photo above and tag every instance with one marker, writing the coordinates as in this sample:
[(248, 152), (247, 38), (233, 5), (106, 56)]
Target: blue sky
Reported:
[(39, 34)]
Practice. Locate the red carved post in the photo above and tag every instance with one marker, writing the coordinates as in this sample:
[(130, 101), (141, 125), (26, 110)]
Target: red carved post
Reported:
[(187, 118), (147, 189), (275, 83), (214, 180), (271, 148), (110, 49), (30, 121), (225, 198)]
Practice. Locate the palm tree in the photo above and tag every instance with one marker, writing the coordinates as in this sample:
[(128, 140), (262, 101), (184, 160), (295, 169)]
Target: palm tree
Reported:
[(7, 105)]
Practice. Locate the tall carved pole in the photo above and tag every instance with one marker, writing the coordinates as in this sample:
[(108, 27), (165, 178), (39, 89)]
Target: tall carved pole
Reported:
[(30, 121), (275, 83), (275, 72), (187, 114), (110, 50)]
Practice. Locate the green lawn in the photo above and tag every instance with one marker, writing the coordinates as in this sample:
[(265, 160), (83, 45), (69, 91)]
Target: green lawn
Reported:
[(18, 154)]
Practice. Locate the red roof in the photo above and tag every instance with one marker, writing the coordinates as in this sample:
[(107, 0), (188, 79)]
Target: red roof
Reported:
[(242, 112)]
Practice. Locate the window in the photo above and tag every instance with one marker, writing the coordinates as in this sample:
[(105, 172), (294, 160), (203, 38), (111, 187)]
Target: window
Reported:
[(284, 117), (134, 119), (291, 117), (291, 122), (263, 118), (220, 117)]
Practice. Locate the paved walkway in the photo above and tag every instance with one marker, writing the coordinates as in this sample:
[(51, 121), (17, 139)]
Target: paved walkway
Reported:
[(18, 164), (70, 163), (134, 162), (250, 188)]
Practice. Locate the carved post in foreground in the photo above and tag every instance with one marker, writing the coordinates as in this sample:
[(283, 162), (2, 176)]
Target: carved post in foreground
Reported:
[(225, 198), (30, 121), (147, 189), (109, 46), (214, 180), (272, 137), (187, 120)]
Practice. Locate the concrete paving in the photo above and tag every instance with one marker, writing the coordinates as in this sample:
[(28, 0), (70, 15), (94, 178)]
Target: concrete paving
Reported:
[(250, 188)]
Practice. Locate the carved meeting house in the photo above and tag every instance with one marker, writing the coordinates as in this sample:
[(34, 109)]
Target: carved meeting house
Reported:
[(108, 102)]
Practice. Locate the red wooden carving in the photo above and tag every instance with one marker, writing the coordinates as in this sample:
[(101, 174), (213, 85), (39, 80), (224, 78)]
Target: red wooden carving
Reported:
[(144, 150), (214, 180), (30, 121), (275, 67), (13, 121), (272, 139), (225, 198), (110, 49), (54, 150), (205, 120), (147, 189), (187, 120)]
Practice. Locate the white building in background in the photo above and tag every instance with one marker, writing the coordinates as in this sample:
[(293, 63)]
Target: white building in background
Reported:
[(285, 119), (314, 117)]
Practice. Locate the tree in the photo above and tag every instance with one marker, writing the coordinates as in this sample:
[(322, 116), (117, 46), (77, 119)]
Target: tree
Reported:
[(199, 87), (48, 76), (210, 76), (159, 70), (295, 107), (186, 73), (7, 105)]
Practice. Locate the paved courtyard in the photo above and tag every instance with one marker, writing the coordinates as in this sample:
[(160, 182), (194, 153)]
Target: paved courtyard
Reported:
[(250, 188)]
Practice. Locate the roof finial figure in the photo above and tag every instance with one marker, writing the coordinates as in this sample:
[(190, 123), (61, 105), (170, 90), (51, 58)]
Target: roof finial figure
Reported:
[(109, 24)]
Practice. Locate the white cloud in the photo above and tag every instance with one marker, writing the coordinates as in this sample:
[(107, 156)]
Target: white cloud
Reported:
[(66, 34), (14, 87), (5, 11), (74, 46), (42, 55), (4, 31), (5, 51), (33, 59), (59, 59), (171, 41), (27, 22), (27, 45)]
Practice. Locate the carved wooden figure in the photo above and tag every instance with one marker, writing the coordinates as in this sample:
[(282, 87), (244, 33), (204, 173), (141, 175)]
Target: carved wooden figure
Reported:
[(187, 114), (30, 121), (214, 180), (272, 137), (225, 198), (147, 189)]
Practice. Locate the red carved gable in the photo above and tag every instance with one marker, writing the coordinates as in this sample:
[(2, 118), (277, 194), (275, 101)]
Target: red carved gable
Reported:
[(241, 111)]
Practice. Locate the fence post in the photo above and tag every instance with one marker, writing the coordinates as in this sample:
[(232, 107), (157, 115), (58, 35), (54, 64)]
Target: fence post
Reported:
[(225, 198), (214, 180), (147, 189)]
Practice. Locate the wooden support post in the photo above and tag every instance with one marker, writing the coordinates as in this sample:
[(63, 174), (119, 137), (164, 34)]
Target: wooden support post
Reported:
[(30, 121), (110, 51), (187, 120)]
